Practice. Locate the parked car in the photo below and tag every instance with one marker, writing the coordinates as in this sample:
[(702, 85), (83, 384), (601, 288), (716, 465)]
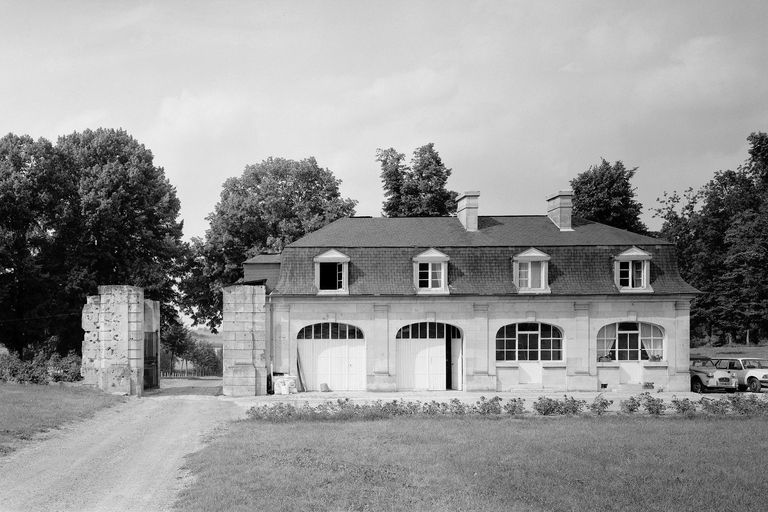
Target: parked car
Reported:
[(751, 372), (706, 376)]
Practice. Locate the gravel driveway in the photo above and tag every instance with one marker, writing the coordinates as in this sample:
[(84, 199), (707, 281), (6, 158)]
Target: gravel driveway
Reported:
[(125, 458)]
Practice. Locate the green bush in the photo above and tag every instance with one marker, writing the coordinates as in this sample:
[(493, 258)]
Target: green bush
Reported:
[(548, 406), (717, 407), (683, 406), (490, 407), (599, 405), (630, 405), (572, 406), (40, 370), (515, 407), (748, 406), (653, 406)]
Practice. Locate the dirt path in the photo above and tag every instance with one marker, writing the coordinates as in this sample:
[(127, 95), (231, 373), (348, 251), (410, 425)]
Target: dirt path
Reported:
[(126, 458)]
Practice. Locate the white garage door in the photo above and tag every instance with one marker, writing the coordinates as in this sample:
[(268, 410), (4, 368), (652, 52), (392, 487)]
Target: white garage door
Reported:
[(333, 354), (422, 355)]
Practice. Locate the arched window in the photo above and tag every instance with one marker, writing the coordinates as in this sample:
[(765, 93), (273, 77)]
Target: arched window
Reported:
[(630, 341), (427, 330), (530, 341), (330, 331)]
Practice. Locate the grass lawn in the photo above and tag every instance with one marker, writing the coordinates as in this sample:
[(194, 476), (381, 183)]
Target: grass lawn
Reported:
[(26, 410), (566, 463), (732, 351)]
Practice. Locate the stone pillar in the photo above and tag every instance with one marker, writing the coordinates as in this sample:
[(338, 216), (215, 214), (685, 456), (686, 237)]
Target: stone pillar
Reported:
[(581, 349), (281, 323), (244, 331), (479, 353), (679, 348), (380, 345), (113, 345)]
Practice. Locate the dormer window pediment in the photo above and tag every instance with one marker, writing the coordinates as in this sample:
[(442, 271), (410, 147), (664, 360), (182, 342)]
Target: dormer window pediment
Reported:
[(430, 272), (632, 271), (531, 271), (332, 273)]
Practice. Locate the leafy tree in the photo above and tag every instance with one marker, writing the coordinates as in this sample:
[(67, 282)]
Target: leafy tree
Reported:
[(722, 241), (177, 341), (91, 210), (272, 204), (418, 190), (603, 193)]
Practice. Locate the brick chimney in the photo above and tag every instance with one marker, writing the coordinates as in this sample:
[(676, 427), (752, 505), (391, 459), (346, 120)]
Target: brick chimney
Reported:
[(466, 209), (559, 209)]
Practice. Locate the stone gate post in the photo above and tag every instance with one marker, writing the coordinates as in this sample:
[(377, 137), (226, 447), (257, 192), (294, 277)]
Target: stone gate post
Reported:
[(245, 344)]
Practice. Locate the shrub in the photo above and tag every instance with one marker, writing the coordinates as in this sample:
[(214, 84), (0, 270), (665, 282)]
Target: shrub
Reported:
[(490, 407), (719, 407), (548, 406), (572, 406), (599, 405), (684, 406), (748, 406), (515, 406), (457, 407), (65, 369), (630, 405), (13, 369), (434, 408), (653, 406)]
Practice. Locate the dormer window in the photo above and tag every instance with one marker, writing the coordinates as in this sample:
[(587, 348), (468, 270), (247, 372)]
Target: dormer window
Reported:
[(632, 269), (430, 272), (531, 271), (331, 273)]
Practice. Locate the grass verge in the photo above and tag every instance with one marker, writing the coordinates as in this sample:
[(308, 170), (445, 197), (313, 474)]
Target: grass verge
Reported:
[(26, 410), (565, 463)]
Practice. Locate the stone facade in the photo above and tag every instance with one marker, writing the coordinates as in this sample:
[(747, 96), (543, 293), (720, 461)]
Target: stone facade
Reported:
[(244, 347), (113, 344)]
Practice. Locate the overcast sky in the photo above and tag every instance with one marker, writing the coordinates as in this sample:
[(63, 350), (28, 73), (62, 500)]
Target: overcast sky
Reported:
[(518, 97)]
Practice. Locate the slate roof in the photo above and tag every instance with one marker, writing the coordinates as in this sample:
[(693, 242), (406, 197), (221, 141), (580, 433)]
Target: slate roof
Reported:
[(381, 252), (264, 258), (499, 231)]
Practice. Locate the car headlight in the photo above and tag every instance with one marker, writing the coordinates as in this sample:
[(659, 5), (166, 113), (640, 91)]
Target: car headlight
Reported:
[(710, 375)]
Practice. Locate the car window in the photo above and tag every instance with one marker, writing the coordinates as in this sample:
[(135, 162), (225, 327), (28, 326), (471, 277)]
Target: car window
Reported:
[(734, 365), (755, 363), (722, 364)]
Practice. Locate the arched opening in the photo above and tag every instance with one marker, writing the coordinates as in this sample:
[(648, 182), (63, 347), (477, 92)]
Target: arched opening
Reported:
[(429, 357), (331, 356), (630, 341)]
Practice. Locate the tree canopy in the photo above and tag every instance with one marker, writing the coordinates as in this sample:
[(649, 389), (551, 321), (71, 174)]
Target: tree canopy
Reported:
[(92, 209), (603, 193), (721, 232), (272, 204), (417, 190)]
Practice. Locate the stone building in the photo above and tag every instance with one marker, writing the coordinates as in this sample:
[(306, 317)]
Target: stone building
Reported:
[(492, 303)]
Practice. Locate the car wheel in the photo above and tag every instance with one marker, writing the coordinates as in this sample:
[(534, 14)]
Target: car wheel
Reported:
[(697, 386), (753, 385)]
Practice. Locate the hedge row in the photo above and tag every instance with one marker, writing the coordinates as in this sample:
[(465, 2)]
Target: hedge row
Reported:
[(40, 370), (344, 409)]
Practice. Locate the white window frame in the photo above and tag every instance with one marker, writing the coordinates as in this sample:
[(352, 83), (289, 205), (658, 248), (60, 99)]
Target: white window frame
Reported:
[(633, 260), (333, 256), (522, 264), (434, 259)]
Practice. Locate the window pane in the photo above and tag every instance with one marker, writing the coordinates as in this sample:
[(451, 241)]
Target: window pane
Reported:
[(500, 355), (334, 331), (628, 326), (328, 276), (632, 341), (623, 273), (637, 274), (440, 330), (546, 331), (432, 330), (317, 331), (511, 331), (326, 331), (523, 274), (536, 274), (546, 344), (546, 356), (528, 327), (500, 344), (557, 355), (342, 331)]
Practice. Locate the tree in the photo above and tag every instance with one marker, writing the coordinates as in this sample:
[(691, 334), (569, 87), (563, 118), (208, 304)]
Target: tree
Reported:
[(176, 342), (418, 190), (91, 210), (722, 240), (603, 193), (272, 204)]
